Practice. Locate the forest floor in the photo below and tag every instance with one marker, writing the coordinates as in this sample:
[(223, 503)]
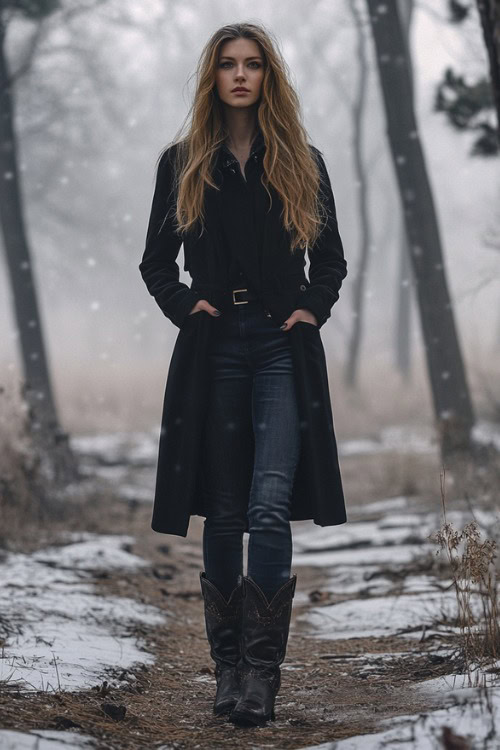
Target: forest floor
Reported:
[(372, 661)]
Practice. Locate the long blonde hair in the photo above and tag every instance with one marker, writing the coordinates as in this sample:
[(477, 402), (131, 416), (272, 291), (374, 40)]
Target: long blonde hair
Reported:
[(288, 166)]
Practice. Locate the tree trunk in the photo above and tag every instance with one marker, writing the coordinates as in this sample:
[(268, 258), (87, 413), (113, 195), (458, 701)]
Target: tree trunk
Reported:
[(452, 403), (489, 12), (49, 442), (359, 282), (404, 294)]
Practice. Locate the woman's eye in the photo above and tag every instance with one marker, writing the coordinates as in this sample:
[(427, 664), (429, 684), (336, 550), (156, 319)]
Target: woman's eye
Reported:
[(227, 62)]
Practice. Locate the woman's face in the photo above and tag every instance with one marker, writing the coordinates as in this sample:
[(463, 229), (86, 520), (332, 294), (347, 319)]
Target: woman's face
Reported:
[(240, 65)]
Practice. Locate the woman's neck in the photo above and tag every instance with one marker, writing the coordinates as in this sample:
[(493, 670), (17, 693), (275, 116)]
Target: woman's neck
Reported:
[(241, 127)]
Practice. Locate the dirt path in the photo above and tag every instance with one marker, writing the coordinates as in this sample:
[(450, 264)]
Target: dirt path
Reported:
[(323, 696), (330, 689)]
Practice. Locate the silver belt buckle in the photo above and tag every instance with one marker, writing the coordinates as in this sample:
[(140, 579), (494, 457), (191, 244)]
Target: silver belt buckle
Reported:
[(242, 302)]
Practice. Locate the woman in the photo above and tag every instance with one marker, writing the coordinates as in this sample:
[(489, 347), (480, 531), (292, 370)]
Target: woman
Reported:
[(247, 435)]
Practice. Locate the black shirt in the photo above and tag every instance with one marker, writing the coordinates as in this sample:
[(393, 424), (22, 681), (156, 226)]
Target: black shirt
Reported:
[(258, 204)]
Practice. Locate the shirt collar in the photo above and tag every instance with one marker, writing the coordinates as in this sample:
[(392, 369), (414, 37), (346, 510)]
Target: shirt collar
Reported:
[(228, 157)]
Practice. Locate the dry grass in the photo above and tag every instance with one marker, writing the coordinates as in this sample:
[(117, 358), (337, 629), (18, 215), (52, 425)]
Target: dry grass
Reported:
[(33, 512), (24, 494), (32, 506), (472, 563)]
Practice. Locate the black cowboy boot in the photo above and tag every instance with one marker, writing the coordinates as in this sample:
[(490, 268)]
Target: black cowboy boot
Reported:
[(223, 626), (264, 639)]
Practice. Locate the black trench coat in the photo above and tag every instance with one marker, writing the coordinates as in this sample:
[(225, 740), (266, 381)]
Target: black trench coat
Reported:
[(283, 287)]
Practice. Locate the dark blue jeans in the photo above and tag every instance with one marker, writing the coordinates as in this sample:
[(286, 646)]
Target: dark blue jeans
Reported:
[(251, 440)]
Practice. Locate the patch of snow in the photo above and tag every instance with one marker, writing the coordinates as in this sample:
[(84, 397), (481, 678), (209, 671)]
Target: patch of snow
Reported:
[(136, 492), (94, 553), (395, 439), (397, 538), (401, 553), (389, 503), (60, 633), (43, 739), (366, 534), (381, 615), (455, 682), (138, 448), (487, 433), (475, 718)]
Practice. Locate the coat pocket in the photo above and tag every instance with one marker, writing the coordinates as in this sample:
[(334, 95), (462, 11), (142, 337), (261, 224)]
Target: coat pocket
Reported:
[(189, 317), (306, 324)]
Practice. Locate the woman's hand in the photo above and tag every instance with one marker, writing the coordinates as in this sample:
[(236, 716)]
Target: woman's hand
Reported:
[(204, 304), (301, 314)]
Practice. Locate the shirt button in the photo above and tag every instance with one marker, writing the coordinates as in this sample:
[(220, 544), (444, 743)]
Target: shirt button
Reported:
[(303, 287)]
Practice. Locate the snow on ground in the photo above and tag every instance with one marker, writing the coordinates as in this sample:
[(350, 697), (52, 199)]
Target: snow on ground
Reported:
[(392, 440), (487, 433), (469, 714), (380, 615), (395, 532), (59, 632), (137, 448), (368, 564), (401, 553), (364, 546), (406, 439), (43, 739)]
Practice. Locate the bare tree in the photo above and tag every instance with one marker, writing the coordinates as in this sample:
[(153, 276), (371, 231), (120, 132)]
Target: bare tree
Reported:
[(361, 275), (405, 274), (49, 440), (452, 403)]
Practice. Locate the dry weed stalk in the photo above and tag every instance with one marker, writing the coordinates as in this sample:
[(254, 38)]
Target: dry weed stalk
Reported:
[(472, 563)]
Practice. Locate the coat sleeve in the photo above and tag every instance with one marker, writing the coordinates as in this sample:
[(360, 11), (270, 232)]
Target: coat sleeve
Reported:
[(158, 267), (327, 265)]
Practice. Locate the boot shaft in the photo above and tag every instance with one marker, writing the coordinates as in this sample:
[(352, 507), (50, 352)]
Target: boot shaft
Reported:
[(265, 625), (222, 621)]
